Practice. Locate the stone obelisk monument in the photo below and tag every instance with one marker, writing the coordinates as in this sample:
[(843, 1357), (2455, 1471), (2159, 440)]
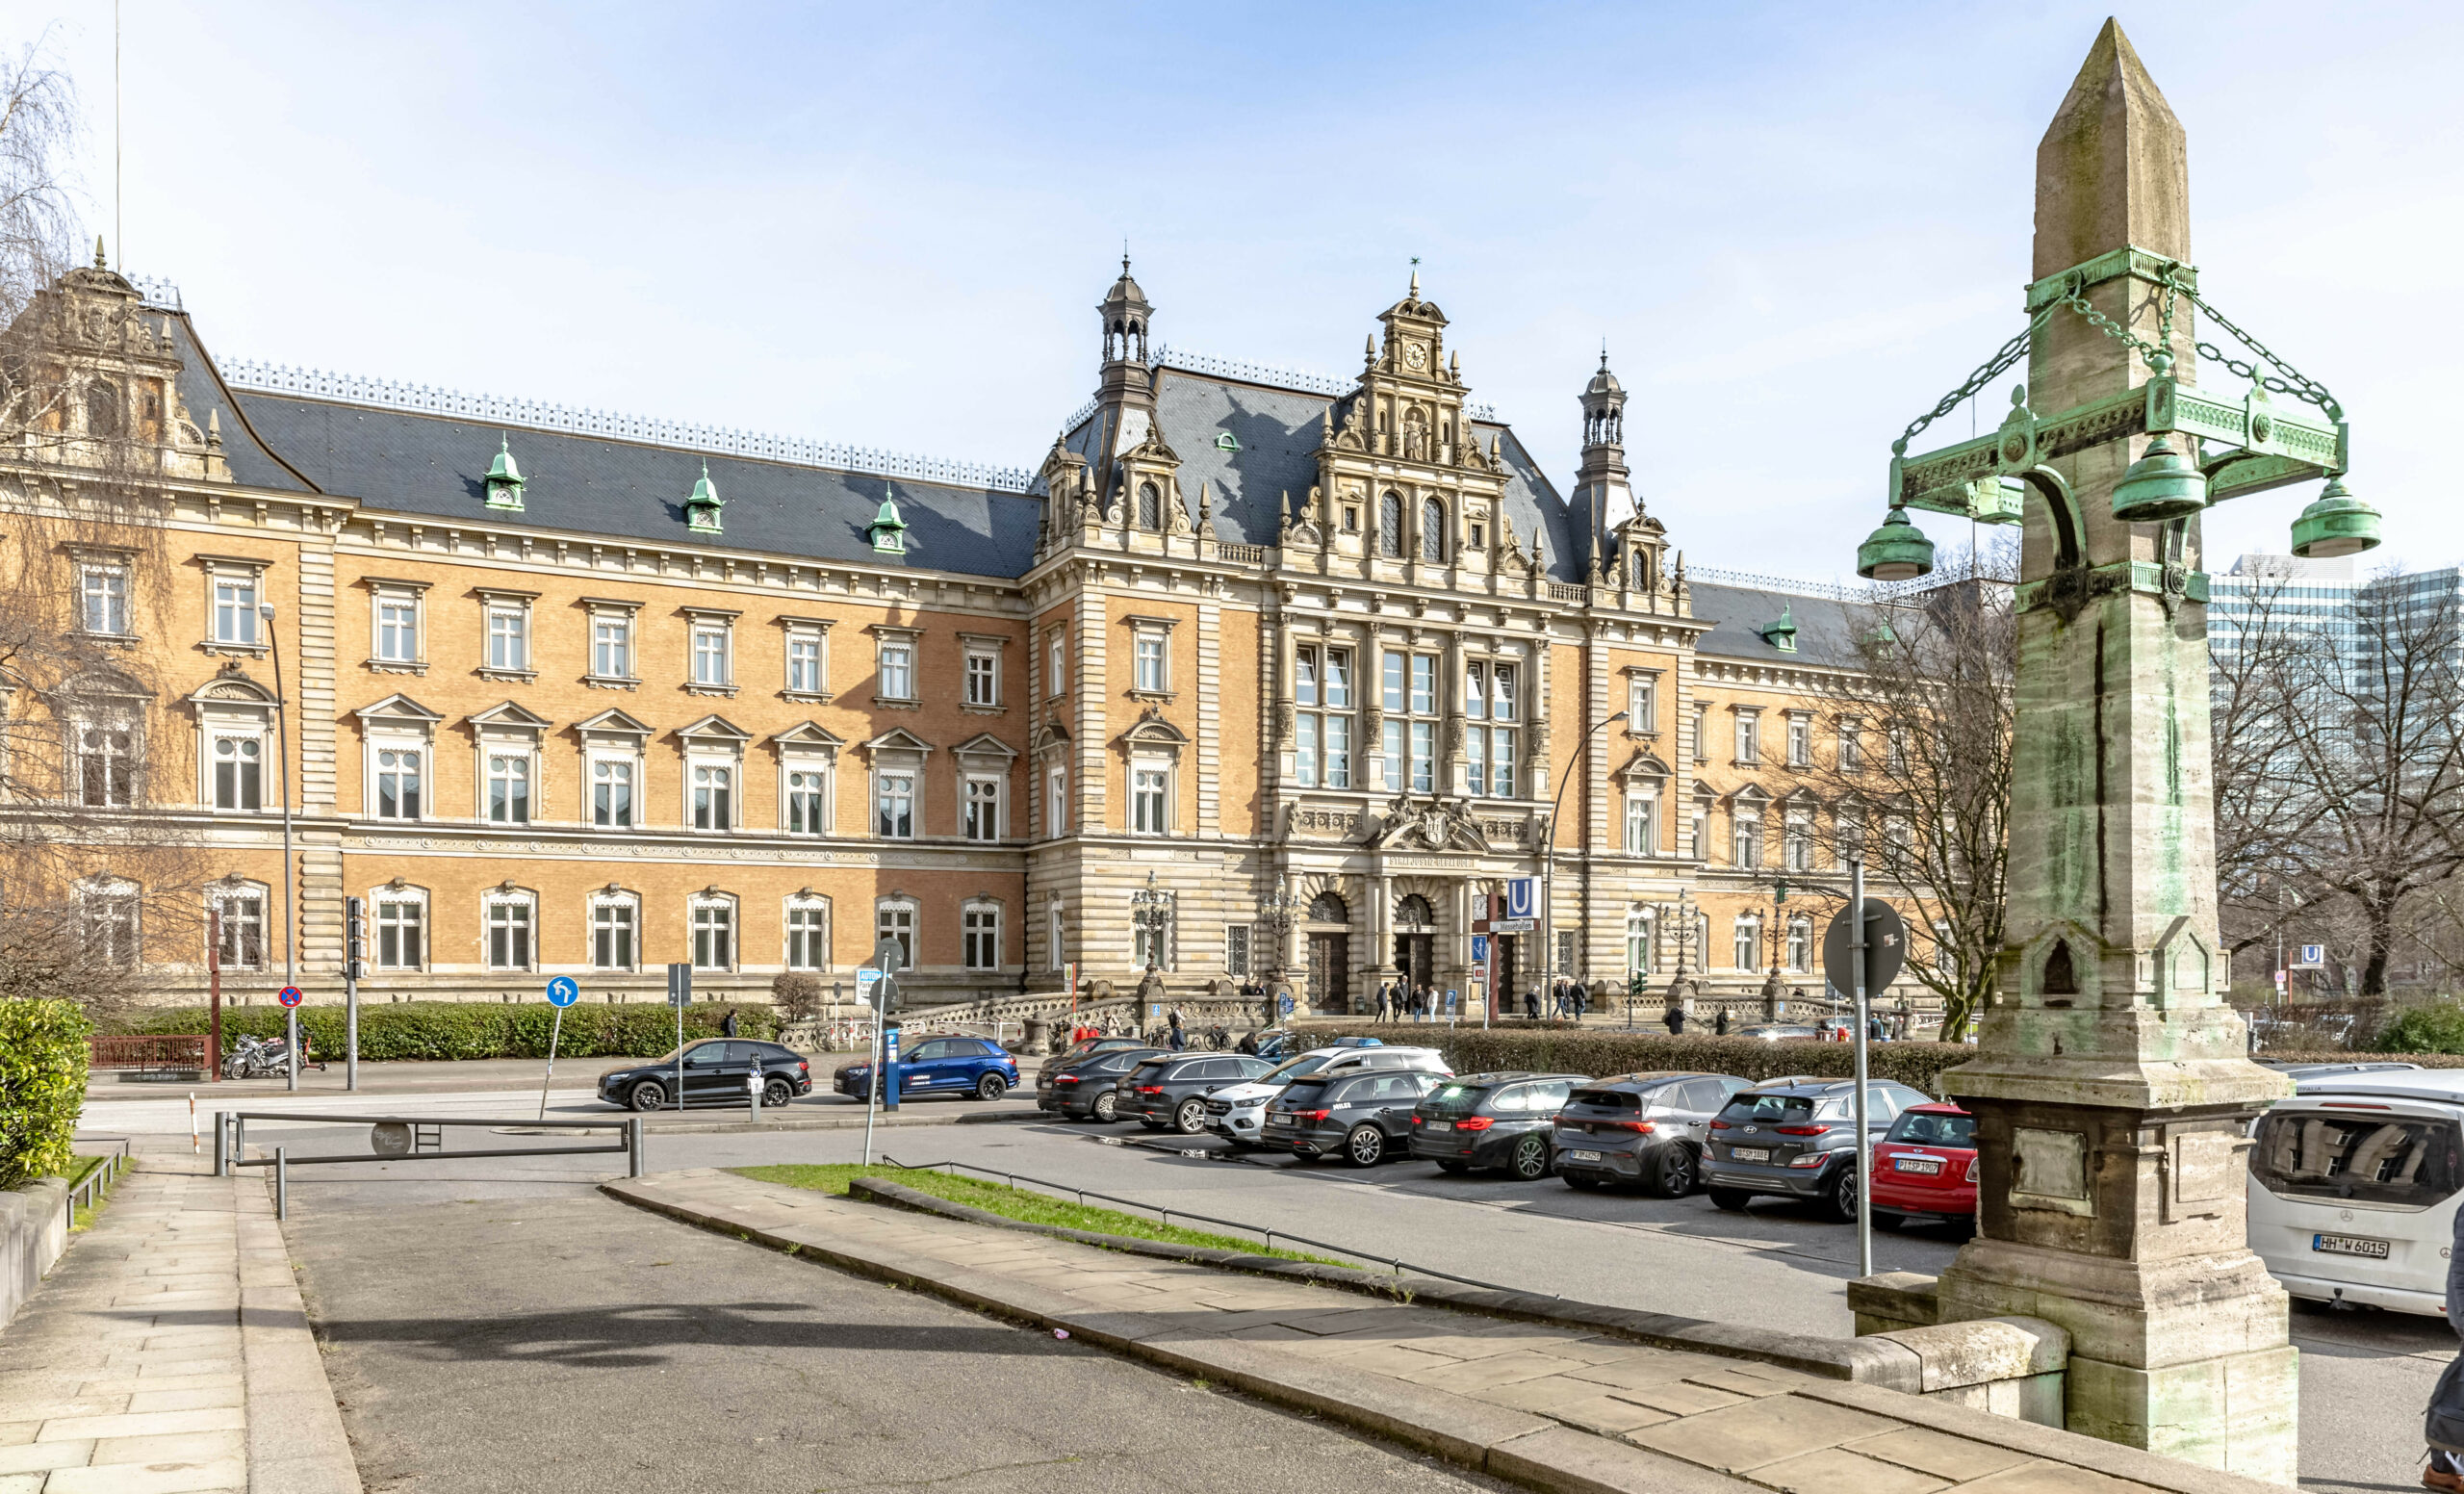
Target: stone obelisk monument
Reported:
[(2111, 1084)]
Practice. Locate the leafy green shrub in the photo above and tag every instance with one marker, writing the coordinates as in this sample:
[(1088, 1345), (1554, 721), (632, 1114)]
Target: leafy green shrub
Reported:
[(43, 1086), (476, 1029), (1597, 1053), (2432, 1028)]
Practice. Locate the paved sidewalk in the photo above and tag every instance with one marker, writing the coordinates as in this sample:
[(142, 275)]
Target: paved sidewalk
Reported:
[(168, 1351), (1536, 1404)]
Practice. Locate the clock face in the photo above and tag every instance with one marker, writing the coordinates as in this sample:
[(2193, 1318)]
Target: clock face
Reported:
[(1415, 356)]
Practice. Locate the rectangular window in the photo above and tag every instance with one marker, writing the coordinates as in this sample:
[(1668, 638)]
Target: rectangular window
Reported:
[(710, 654), (1502, 692), (713, 789), (1642, 703), (1235, 949), (1566, 942), (898, 669), (1055, 937), (1391, 748), (239, 774), (509, 787), (895, 806), (611, 936), (1391, 683), (1057, 666), (1423, 757), (1150, 663), (806, 802), (715, 936), (242, 944), (235, 610), (1701, 746), (1423, 685), (105, 594), (1056, 809), (979, 938), (508, 637), (1476, 691), (1304, 675), (107, 768), (401, 944), (808, 938), (1698, 834), (1642, 827), (1797, 843), (1476, 748), (1640, 956), (981, 820), (111, 928), (1501, 761), (1338, 688), (804, 664), (508, 936), (1747, 946), (1899, 750), (611, 648), (397, 629), (1338, 752), (1305, 749), (1749, 738), (897, 921), (1746, 840), (611, 794), (1852, 747), (1800, 741), (983, 680), (1146, 800)]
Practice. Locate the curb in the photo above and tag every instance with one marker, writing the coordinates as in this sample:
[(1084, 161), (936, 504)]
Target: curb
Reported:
[(296, 1444)]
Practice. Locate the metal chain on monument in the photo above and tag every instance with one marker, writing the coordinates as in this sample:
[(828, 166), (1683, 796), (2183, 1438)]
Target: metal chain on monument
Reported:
[(2162, 346), (2294, 382), (1987, 373)]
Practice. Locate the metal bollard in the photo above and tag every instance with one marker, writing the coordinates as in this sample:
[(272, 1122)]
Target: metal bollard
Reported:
[(222, 1143), (239, 1140), (282, 1182), (753, 1092), (634, 1147)]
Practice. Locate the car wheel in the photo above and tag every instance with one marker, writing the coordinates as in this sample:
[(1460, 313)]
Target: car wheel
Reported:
[(1365, 1147), (1191, 1118), (777, 1094), (1732, 1199), (1454, 1167), (1672, 1173), (1529, 1160), (649, 1095), (992, 1087), (1884, 1218), (1106, 1109), (1839, 1199), (1580, 1182)]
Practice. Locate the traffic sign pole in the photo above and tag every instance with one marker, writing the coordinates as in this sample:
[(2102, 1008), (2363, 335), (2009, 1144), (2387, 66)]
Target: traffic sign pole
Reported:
[(867, 980), (680, 992), (562, 993), (353, 953), (1858, 997), (290, 998)]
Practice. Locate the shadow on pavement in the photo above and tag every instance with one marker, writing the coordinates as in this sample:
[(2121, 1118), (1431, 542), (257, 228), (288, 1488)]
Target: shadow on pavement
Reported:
[(627, 1337)]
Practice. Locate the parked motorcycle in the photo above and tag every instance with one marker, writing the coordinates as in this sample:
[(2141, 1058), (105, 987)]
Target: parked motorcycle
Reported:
[(262, 1058)]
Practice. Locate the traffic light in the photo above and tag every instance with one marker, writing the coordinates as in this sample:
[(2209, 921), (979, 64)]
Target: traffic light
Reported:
[(354, 940)]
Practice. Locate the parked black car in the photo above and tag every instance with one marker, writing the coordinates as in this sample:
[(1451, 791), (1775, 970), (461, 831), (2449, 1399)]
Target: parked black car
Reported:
[(714, 1075), (1081, 1087), (1640, 1128), (1100, 1046), (1797, 1140), (1491, 1121), (1171, 1089), (1359, 1116)]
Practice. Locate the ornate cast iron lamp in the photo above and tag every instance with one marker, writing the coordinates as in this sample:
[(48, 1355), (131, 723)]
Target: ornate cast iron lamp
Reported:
[(1277, 913)]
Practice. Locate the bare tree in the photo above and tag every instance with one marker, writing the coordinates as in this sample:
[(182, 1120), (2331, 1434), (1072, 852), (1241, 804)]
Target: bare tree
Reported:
[(1917, 779), (39, 128)]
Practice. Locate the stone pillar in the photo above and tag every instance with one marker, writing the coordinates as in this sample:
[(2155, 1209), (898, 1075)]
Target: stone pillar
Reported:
[(2111, 1084)]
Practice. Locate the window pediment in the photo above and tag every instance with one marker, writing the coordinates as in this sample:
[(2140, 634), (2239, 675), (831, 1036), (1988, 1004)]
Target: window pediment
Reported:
[(1152, 731), (899, 740), (232, 688), (713, 729), (983, 749), (510, 716), (396, 708), (807, 737), (1643, 764), (612, 723)]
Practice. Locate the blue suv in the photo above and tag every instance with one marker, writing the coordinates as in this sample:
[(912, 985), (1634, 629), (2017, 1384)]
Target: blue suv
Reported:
[(941, 1066)]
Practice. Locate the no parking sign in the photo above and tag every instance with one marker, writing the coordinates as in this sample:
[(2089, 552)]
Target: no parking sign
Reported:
[(289, 995)]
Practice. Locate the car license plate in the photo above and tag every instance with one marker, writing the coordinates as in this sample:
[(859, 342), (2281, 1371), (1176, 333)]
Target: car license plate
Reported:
[(1925, 1165), (1441, 1125), (1750, 1153), (1582, 1156), (1278, 1120), (2347, 1245)]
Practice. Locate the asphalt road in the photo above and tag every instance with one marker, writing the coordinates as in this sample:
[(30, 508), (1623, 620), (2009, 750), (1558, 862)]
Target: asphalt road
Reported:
[(2365, 1375)]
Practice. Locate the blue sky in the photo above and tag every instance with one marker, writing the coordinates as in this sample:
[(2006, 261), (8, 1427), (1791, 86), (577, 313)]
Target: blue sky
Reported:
[(1796, 225)]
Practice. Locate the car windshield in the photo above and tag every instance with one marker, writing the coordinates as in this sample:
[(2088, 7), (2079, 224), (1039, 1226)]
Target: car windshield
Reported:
[(2377, 1159), (1934, 1128), (1768, 1109), (1303, 1095), (1456, 1099), (1607, 1099)]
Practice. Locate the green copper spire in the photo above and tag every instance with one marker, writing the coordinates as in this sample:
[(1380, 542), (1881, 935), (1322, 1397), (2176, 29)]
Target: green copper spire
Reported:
[(888, 532), (702, 509), (504, 479)]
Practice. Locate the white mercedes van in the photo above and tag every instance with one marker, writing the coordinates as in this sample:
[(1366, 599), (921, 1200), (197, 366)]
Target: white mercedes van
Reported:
[(2354, 1184)]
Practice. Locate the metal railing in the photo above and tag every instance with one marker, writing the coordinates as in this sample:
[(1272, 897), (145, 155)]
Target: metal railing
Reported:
[(148, 1051), (231, 1138), (1396, 1264), (90, 1188)]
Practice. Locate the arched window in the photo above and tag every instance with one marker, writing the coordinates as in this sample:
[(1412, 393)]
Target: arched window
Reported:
[(1641, 566), (102, 409), (1800, 945), (1390, 525), (1414, 913), (1327, 907), (1151, 507), (1748, 951), (1432, 530)]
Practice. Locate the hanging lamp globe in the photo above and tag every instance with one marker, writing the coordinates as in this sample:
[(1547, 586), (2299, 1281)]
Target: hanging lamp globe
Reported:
[(1897, 552), (2163, 484), (2335, 523)]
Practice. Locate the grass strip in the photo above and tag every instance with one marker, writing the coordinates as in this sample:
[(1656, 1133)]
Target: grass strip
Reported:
[(1023, 1204), (81, 1218)]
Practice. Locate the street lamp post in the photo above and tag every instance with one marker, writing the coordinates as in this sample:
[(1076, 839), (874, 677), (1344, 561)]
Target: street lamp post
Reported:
[(1548, 862), (1150, 909), (1276, 913), (1683, 911), (290, 926)]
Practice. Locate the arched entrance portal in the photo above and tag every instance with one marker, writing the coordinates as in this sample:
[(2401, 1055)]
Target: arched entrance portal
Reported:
[(1329, 930), (1415, 941)]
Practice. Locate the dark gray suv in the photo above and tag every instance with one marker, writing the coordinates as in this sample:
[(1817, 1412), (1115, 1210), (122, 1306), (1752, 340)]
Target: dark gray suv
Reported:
[(1797, 1139), (1171, 1089), (1644, 1130), (1358, 1117)]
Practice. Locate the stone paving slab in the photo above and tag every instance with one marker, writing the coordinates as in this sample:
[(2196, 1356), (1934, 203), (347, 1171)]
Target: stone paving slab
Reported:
[(1555, 1405), (169, 1353)]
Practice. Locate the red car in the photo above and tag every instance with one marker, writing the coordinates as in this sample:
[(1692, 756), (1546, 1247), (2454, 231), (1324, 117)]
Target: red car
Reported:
[(1925, 1169)]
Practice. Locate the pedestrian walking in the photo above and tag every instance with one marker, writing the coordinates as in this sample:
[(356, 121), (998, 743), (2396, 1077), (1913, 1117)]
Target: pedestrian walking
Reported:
[(2442, 1426), (727, 1026), (1674, 1019), (1720, 1023), (1531, 1004), (1385, 1001)]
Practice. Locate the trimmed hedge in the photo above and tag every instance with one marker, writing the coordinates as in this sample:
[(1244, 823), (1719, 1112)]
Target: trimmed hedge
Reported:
[(42, 1087), (476, 1029), (1597, 1053)]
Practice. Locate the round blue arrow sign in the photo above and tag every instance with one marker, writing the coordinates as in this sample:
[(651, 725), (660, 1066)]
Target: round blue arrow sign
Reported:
[(562, 992)]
